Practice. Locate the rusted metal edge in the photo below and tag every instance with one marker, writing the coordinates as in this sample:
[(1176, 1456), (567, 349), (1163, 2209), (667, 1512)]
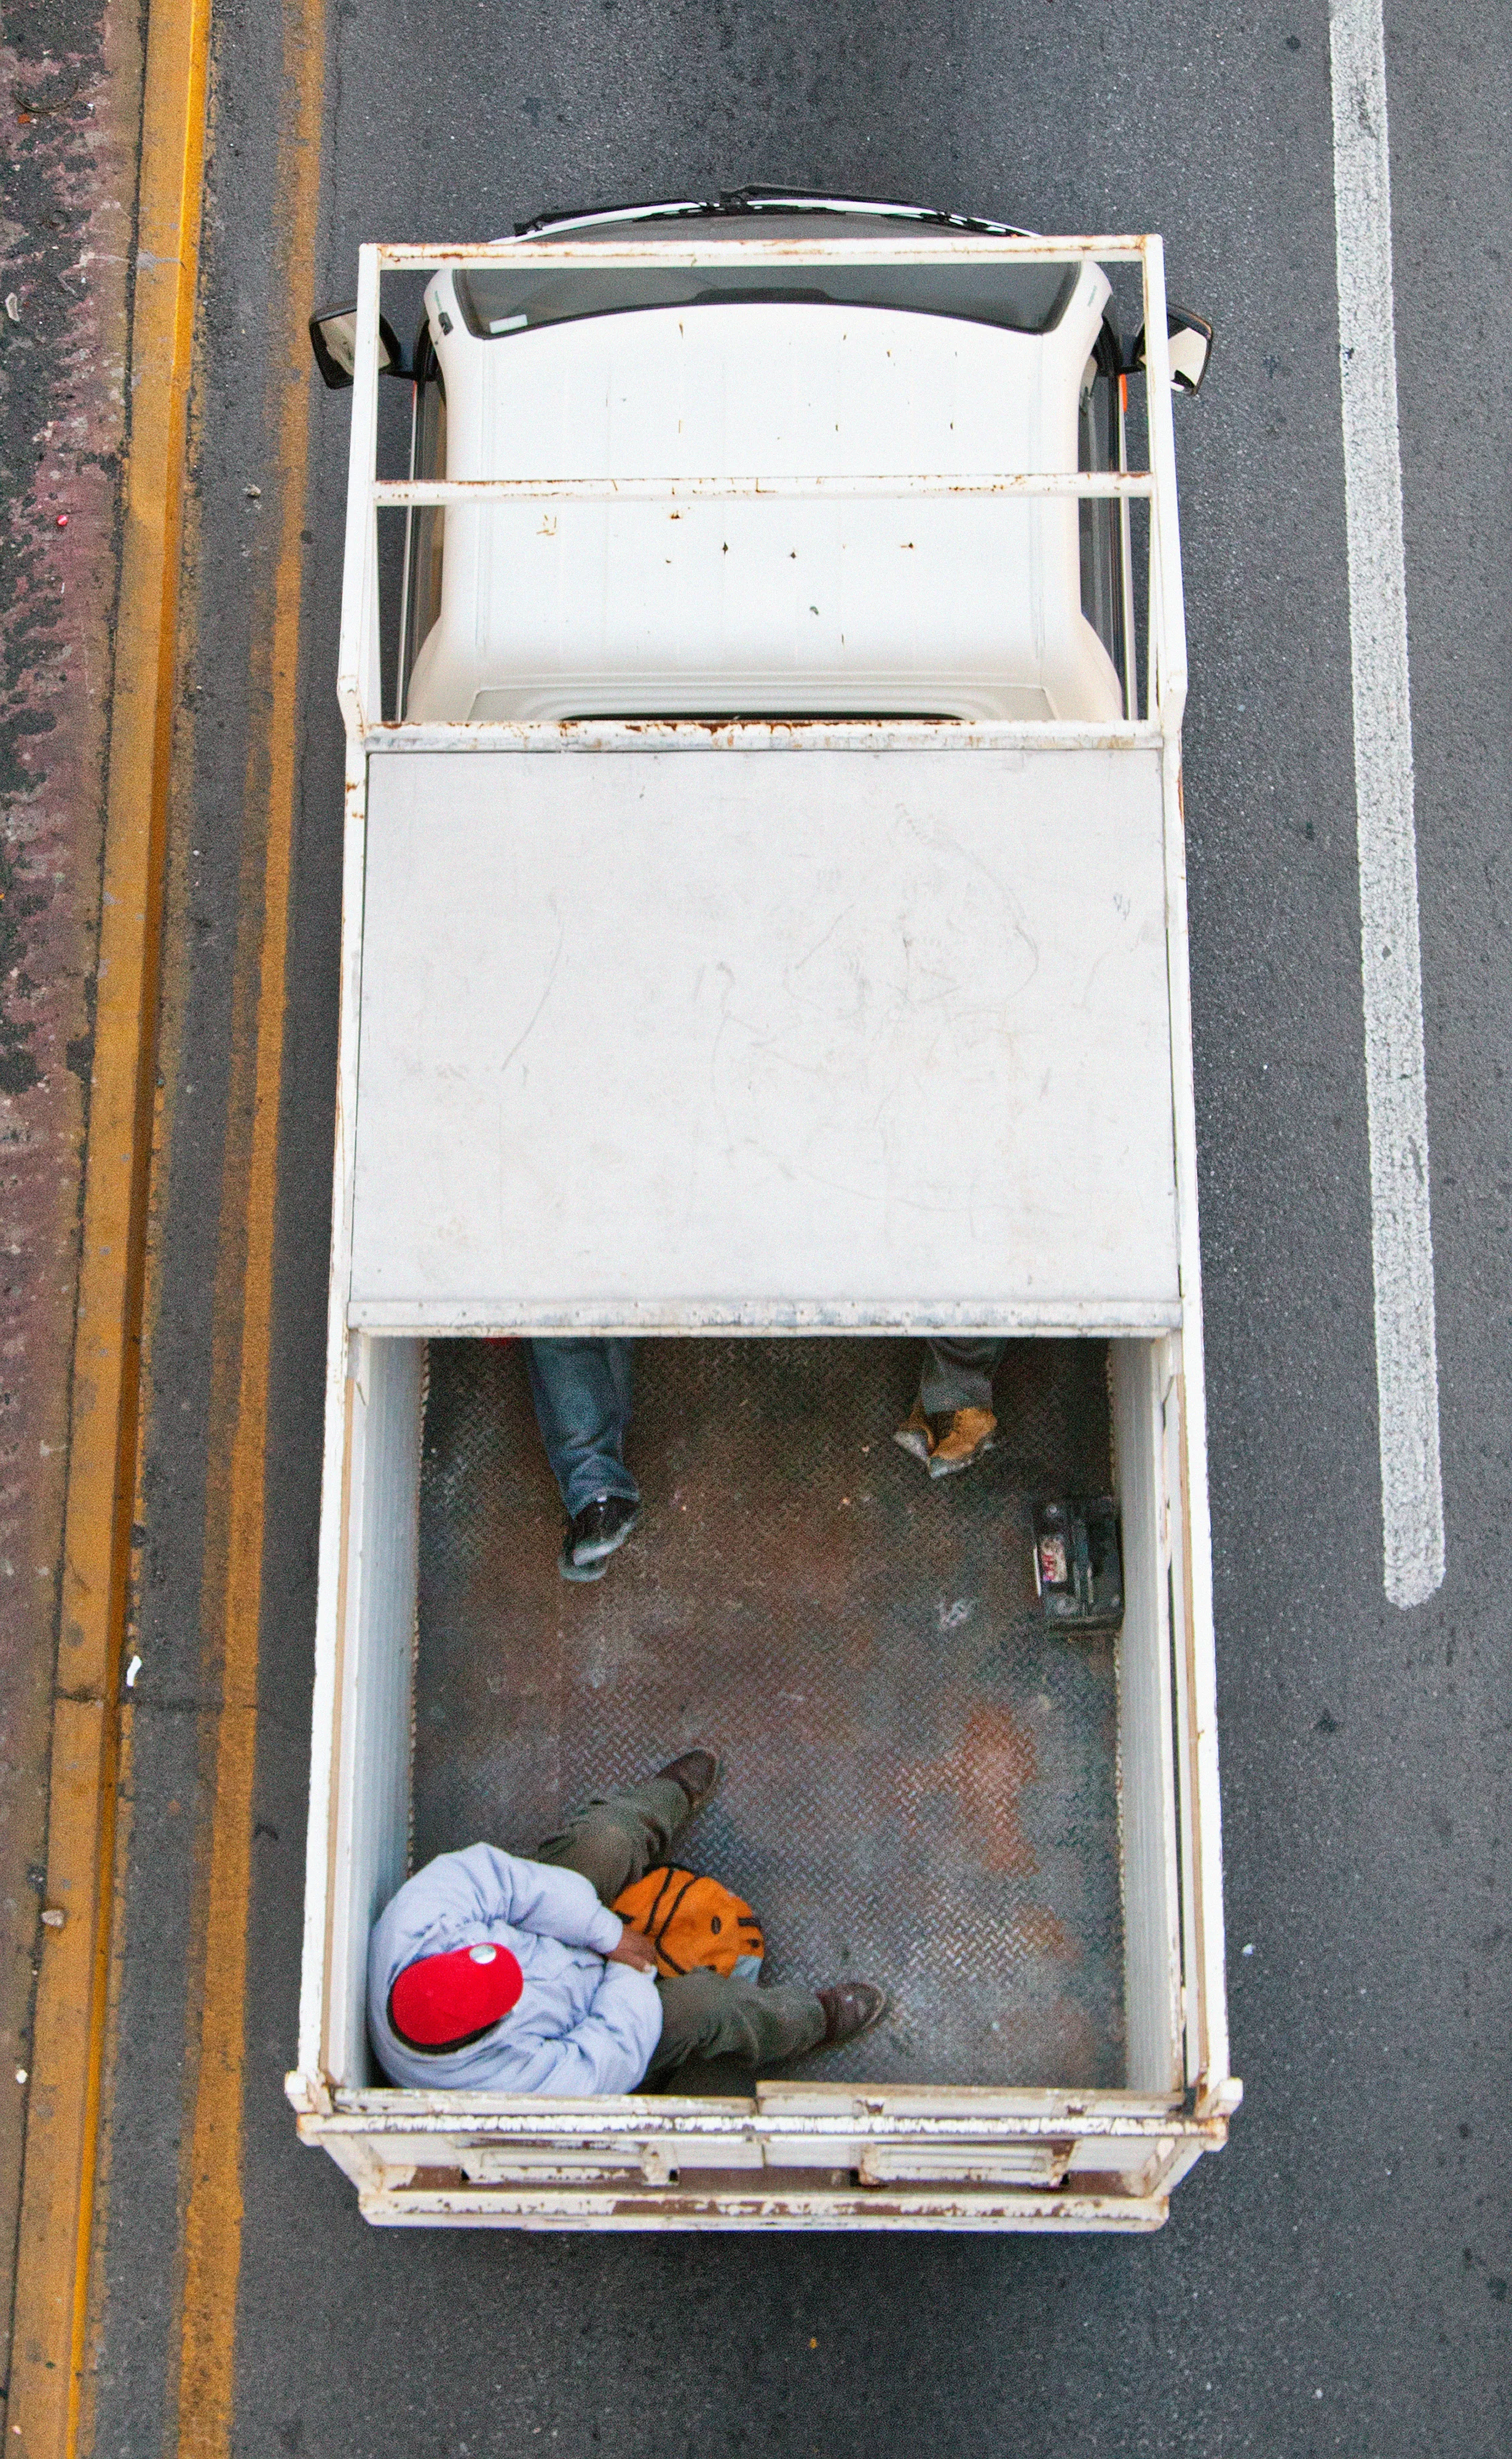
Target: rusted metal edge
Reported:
[(579, 2130), (885, 484), (669, 2208), (961, 247), (1046, 1318), (762, 735)]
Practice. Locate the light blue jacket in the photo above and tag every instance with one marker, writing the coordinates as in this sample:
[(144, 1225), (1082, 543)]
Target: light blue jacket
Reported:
[(581, 2025)]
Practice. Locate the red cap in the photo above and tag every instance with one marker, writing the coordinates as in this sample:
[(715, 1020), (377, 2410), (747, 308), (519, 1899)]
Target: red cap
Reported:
[(446, 1998)]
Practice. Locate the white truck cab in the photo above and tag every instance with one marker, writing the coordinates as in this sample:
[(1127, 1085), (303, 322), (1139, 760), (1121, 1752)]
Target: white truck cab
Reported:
[(816, 379), (765, 708)]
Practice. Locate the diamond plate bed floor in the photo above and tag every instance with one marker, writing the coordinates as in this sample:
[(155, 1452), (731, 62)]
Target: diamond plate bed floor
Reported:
[(921, 1780)]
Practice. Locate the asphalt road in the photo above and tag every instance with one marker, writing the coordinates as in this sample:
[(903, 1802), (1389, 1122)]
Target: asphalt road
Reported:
[(1338, 2280)]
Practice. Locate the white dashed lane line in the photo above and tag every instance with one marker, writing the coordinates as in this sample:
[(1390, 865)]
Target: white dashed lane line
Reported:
[(1401, 1226)]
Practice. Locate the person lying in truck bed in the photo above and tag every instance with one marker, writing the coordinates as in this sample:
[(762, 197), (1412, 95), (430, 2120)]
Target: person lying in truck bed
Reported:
[(489, 1973)]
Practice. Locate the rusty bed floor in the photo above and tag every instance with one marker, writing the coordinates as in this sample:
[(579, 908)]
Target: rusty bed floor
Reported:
[(921, 1780)]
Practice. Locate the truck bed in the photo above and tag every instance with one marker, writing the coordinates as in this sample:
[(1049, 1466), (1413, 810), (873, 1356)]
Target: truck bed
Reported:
[(921, 1782)]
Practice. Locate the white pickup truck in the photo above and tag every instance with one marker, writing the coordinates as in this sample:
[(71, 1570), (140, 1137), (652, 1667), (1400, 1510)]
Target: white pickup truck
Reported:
[(764, 923)]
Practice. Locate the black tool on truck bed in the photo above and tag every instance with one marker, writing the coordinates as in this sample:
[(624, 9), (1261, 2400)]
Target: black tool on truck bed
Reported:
[(1078, 1563)]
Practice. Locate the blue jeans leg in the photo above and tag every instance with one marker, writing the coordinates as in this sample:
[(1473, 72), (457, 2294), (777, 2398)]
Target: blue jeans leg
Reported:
[(957, 1375), (582, 1390)]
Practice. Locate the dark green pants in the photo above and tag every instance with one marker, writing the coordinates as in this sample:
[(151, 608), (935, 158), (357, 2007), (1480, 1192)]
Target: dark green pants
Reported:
[(612, 1840)]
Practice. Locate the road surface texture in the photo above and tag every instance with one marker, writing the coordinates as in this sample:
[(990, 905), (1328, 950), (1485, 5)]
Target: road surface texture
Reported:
[(70, 73), (1338, 2280)]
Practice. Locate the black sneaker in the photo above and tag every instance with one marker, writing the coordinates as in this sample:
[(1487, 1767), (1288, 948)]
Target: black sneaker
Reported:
[(595, 1532)]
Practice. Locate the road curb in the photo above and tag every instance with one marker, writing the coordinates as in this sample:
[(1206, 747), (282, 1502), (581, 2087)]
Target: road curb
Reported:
[(63, 2120)]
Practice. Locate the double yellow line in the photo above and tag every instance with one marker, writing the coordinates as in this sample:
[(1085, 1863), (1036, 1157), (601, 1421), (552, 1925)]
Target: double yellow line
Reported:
[(64, 2134), (238, 1428)]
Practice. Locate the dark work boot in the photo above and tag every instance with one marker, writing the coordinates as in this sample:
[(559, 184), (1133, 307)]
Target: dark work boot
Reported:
[(851, 2008), (697, 1773), (595, 1532)]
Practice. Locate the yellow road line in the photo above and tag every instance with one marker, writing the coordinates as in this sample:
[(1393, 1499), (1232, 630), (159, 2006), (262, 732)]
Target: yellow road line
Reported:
[(239, 1401), (63, 2117), (173, 971)]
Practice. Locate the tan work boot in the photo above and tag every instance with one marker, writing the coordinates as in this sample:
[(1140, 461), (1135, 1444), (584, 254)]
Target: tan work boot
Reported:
[(952, 1440)]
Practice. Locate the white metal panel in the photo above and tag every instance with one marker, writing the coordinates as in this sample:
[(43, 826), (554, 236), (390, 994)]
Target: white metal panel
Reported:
[(510, 2156), (1200, 1815), (371, 1828), (1052, 2213), (306, 2085), (856, 1039), (1152, 1979)]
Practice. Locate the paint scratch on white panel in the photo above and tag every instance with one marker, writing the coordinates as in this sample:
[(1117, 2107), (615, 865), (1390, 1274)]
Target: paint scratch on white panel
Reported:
[(1401, 1230)]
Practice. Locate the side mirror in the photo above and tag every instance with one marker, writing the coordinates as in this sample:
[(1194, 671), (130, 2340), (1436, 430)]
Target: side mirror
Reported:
[(333, 339), (1192, 340)]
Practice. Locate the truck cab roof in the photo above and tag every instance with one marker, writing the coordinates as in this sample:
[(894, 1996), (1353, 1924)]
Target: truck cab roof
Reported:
[(859, 601)]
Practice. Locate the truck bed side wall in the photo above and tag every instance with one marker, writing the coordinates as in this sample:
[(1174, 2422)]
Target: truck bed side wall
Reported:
[(370, 1838), (1151, 1906)]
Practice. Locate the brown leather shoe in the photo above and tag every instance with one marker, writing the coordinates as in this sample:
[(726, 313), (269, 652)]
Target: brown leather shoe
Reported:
[(850, 2007), (949, 1442), (697, 1773)]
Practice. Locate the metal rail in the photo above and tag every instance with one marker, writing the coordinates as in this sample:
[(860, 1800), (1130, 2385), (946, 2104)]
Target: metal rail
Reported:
[(359, 677), (944, 247), (884, 484), (581, 734)]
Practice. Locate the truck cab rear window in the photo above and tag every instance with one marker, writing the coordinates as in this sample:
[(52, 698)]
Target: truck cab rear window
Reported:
[(498, 302)]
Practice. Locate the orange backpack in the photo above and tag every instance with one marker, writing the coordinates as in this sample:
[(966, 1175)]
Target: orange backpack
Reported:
[(691, 1920)]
